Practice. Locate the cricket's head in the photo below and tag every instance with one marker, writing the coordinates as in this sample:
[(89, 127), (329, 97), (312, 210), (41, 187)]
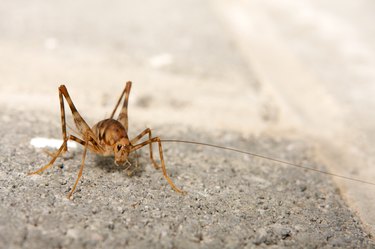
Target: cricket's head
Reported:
[(121, 150)]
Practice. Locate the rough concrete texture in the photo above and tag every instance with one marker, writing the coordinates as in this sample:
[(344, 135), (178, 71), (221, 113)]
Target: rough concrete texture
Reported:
[(193, 79), (233, 201)]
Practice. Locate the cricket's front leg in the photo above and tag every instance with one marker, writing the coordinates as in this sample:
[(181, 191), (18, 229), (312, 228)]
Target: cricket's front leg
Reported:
[(137, 138), (157, 140)]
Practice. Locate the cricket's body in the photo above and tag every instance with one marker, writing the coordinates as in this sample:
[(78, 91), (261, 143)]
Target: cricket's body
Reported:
[(110, 137), (113, 138), (107, 137)]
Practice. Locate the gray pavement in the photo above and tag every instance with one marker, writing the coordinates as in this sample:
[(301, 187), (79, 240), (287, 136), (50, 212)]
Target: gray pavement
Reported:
[(192, 80), (233, 201), (317, 59)]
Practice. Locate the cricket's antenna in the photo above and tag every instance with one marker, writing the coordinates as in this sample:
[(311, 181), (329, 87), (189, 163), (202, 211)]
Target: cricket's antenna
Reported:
[(268, 158)]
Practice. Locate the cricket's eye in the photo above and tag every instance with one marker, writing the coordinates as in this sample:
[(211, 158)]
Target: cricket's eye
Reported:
[(119, 147)]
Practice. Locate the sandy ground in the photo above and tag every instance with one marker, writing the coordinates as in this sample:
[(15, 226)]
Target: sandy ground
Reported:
[(195, 77)]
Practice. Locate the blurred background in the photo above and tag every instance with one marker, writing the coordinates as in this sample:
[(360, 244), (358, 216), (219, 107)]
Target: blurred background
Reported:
[(287, 68)]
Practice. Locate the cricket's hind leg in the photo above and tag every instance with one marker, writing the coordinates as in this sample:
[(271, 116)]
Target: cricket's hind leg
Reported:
[(123, 116)]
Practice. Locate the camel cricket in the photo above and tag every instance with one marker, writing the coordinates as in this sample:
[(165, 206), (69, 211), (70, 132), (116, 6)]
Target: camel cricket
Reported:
[(107, 137)]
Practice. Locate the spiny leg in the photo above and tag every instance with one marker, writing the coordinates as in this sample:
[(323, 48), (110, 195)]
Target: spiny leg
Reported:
[(118, 102), (77, 140), (157, 140), (92, 147), (63, 126), (58, 153), (51, 154), (137, 138), (123, 116), (55, 156), (63, 121), (80, 170), (80, 123)]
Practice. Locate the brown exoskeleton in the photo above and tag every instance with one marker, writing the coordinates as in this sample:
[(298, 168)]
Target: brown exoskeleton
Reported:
[(110, 137), (107, 137)]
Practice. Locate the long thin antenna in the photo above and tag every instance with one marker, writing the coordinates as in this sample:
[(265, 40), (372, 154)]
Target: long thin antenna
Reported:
[(268, 158)]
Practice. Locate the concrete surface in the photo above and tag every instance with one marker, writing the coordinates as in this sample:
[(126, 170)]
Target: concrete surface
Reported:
[(233, 201), (318, 58), (193, 79)]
